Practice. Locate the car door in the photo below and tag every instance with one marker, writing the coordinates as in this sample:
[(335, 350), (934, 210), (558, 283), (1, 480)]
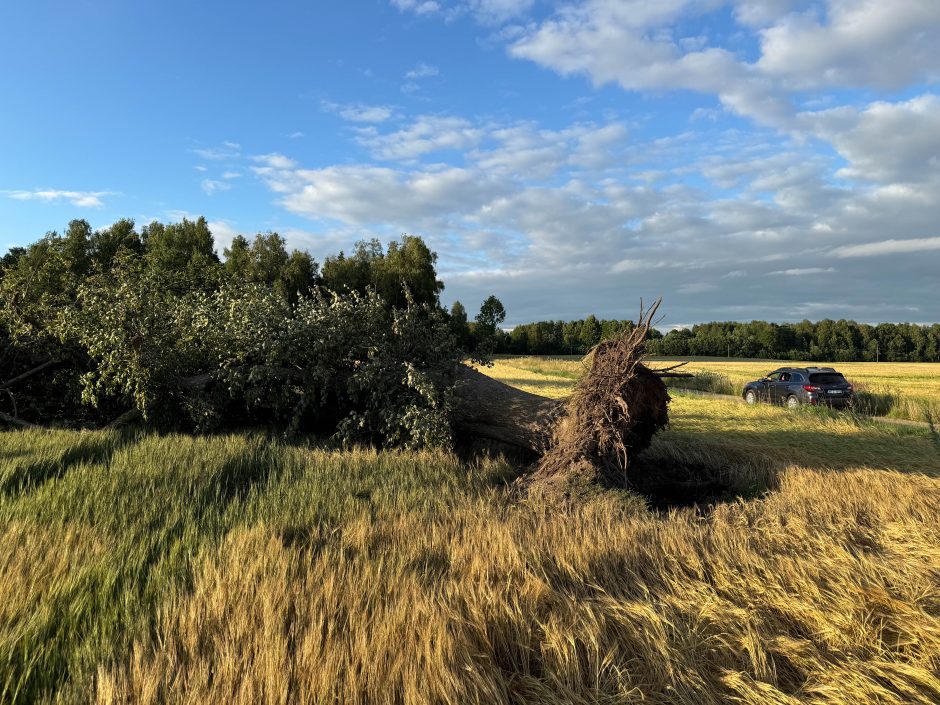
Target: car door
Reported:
[(770, 388), (781, 388)]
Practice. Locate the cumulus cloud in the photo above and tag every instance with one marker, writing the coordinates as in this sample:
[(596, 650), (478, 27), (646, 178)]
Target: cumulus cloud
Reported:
[(885, 142), (427, 133), (838, 44), (733, 224), (81, 199), (857, 43), (369, 195), (275, 161)]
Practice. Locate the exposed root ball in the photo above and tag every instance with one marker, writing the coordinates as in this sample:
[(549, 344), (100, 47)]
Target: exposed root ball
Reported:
[(615, 410)]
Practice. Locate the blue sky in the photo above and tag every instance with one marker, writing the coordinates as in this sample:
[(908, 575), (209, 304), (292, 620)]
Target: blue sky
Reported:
[(774, 159)]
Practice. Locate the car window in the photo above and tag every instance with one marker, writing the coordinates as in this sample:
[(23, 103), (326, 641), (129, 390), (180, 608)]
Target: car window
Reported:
[(826, 378), (774, 377), (785, 377), (797, 377)]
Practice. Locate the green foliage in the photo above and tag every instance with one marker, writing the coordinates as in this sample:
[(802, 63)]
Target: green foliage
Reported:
[(406, 266), (186, 249), (157, 323), (561, 337), (266, 261)]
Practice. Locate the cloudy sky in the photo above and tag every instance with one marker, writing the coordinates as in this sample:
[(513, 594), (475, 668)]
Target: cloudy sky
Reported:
[(775, 159)]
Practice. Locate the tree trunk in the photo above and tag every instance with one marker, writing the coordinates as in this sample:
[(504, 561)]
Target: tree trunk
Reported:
[(491, 410)]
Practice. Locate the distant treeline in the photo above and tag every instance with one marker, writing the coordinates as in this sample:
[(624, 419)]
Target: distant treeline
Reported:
[(826, 340)]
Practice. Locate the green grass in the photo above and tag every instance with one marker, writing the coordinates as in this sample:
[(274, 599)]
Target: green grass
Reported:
[(148, 568)]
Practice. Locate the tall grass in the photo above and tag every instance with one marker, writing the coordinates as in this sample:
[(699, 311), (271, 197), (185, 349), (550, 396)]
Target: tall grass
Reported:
[(901, 390), (238, 569)]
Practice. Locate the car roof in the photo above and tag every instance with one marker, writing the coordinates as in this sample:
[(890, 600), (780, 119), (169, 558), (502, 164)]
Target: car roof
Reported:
[(805, 369)]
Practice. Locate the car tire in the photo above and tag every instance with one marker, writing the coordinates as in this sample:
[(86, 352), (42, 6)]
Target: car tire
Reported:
[(750, 397), (793, 401)]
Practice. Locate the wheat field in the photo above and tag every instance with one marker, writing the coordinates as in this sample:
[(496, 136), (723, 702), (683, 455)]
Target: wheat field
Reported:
[(904, 390), (243, 569)]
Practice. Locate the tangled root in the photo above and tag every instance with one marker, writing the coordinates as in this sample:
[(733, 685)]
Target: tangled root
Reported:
[(615, 410)]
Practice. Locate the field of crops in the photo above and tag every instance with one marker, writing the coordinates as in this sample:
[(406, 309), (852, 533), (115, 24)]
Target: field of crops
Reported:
[(904, 390), (241, 569)]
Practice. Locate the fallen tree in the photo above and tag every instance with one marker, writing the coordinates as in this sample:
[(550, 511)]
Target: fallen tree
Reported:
[(348, 364)]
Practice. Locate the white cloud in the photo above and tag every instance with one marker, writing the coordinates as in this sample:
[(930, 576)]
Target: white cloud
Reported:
[(210, 186), (275, 161), (572, 209), (231, 175), (614, 41), (363, 194), (889, 247), (359, 112), (428, 133), (489, 12), (82, 199), (422, 71), (860, 43), (222, 234), (419, 7), (886, 142)]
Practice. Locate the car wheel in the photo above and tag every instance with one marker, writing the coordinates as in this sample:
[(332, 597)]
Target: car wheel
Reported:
[(793, 401), (750, 397)]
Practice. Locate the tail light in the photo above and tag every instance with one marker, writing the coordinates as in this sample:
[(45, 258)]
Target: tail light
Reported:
[(810, 388)]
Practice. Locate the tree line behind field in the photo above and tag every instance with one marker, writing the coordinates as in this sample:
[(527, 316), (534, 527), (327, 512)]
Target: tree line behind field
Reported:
[(826, 340)]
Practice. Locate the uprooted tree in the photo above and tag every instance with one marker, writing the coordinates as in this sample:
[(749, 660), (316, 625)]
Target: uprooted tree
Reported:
[(107, 328)]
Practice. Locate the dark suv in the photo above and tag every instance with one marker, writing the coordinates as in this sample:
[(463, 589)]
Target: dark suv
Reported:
[(801, 385)]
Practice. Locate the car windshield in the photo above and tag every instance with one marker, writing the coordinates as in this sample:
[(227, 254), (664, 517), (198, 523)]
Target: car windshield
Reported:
[(827, 378)]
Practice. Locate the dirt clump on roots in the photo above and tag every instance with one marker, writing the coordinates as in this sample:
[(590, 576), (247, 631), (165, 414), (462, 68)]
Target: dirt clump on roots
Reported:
[(610, 418)]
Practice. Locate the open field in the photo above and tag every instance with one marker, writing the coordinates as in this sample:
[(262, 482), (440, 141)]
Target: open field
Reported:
[(901, 390), (239, 569)]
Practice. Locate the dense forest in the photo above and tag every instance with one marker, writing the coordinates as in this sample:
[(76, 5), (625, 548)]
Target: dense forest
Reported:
[(106, 326), (823, 341)]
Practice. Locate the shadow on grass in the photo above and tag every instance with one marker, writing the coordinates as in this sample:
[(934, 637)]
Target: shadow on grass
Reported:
[(25, 471), (679, 470)]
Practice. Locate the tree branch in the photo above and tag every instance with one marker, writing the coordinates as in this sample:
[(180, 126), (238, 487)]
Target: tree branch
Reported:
[(28, 373)]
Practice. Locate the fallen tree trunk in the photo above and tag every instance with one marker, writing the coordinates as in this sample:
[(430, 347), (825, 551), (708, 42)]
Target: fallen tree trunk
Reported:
[(488, 409)]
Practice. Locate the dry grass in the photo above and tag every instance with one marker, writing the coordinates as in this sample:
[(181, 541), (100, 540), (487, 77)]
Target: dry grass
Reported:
[(242, 570), (787, 599), (897, 389)]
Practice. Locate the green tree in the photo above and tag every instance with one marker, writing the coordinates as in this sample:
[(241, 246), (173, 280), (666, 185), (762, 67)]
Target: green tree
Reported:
[(182, 248), (459, 325), (408, 265), (486, 331), (590, 333)]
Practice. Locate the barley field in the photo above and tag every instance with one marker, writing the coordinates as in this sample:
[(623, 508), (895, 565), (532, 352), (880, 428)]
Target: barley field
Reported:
[(242, 569), (904, 390)]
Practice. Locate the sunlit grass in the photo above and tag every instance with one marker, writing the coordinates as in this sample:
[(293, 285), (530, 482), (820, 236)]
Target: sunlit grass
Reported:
[(241, 569), (901, 390)]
